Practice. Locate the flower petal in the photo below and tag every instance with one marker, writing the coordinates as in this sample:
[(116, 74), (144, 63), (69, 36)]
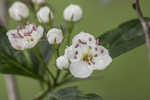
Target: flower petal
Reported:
[(62, 62), (102, 62), (80, 70)]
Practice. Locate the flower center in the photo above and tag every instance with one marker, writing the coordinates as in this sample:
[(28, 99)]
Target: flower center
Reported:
[(88, 58)]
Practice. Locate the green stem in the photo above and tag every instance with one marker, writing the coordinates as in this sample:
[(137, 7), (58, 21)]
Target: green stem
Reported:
[(40, 58), (27, 56), (70, 29), (50, 89)]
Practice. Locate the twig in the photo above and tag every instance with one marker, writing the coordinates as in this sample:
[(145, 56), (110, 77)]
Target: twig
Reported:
[(12, 87), (145, 24)]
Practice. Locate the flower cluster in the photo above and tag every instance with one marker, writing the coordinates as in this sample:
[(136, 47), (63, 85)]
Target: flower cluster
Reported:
[(85, 55)]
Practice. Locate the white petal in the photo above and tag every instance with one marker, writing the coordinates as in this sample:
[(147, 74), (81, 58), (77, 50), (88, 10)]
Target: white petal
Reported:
[(38, 1), (18, 10), (102, 62), (80, 70), (70, 54), (16, 43), (44, 15), (62, 62), (39, 32), (55, 35), (73, 13), (84, 37)]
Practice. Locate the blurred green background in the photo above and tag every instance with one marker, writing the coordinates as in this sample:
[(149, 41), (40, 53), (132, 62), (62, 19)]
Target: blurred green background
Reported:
[(127, 78)]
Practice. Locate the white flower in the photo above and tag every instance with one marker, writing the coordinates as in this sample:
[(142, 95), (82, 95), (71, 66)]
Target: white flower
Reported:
[(73, 13), (18, 11), (62, 62), (86, 55), (25, 38), (55, 35), (44, 15), (38, 1)]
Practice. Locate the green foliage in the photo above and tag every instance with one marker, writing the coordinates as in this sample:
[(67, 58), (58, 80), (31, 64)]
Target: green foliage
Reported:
[(72, 93), (124, 38)]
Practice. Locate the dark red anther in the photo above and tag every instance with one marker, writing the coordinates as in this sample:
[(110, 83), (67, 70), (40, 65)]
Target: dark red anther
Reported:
[(95, 55), (18, 28), (27, 34), (97, 42), (77, 45), (20, 35), (96, 49), (90, 47), (93, 62), (82, 42), (76, 52), (84, 59), (102, 51), (75, 57), (34, 28), (14, 35), (90, 39)]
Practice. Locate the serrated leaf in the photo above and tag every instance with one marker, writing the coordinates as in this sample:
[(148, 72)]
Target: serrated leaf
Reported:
[(124, 38)]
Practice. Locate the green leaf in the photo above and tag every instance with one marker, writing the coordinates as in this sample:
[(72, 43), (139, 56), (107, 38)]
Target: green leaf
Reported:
[(124, 38), (72, 93)]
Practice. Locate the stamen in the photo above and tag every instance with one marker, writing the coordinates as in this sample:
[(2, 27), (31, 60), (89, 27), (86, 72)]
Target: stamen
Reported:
[(102, 51), (84, 59), (90, 39), (95, 55), (76, 52), (23, 27), (75, 57), (18, 28), (96, 49), (93, 62), (20, 35), (97, 42), (77, 45), (90, 47), (34, 26), (82, 42), (14, 35)]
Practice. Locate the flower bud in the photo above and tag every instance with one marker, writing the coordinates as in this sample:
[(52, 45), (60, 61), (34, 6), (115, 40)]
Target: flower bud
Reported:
[(55, 36), (73, 13), (62, 62), (18, 11), (38, 1), (44, 15)]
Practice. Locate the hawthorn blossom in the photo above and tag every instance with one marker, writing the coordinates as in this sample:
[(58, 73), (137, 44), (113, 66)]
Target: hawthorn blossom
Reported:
[(25, 37), (55, 35), (18, 10), (86, 55), (73, 13), (62, 62), (38, 1), (44, 15)]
